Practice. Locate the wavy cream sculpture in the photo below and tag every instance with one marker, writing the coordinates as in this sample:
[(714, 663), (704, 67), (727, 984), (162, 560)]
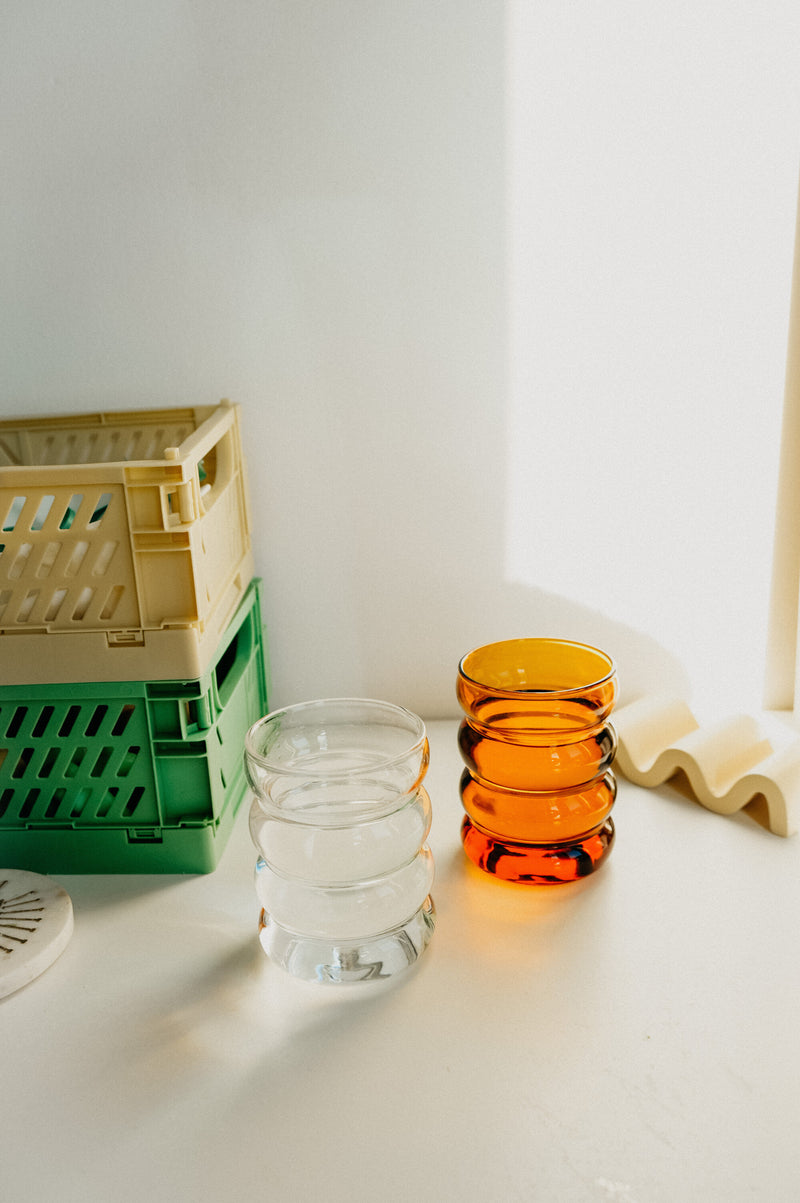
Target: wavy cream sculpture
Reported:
[(727, 765)]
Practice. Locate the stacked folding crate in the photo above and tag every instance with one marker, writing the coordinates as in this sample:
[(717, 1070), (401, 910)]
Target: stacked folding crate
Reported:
[(132, 656)]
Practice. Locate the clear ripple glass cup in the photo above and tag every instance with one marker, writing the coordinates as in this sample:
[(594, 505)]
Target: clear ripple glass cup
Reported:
[(538, 788), (340, 818)]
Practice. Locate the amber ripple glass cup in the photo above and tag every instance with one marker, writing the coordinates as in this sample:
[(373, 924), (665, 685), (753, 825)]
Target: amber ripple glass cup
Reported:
[(538, 746)]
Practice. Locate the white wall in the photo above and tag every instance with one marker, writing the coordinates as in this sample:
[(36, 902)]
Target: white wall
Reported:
[(315, 209), (653, 182)]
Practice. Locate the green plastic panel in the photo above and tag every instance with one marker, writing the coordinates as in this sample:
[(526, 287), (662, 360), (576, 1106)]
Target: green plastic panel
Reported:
[(131, 777)]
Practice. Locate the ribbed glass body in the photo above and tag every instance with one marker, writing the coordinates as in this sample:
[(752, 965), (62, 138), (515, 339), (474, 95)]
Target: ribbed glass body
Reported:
[(538, 748), (340, 818)]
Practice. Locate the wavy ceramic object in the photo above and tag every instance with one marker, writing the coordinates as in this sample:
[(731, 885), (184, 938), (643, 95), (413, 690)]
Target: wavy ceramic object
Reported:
[(727, 765)]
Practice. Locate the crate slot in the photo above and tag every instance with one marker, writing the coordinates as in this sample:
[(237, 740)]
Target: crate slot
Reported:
[(112, 602), (106, 802), (49, 762), (20, 561), (14, 510), (84, 601), (70, 718), (71, 512), (80, 801), (56, 602), (17, 719), (76, 559), (31, 798), (123, 718), (54, 803), (131, 805), (42, 721), (23, 761), (99, 766), (128, 761), (28, 602), (104, 558), (99, 512), (95, 722), (6, 798), (44, 507), (48, 558)]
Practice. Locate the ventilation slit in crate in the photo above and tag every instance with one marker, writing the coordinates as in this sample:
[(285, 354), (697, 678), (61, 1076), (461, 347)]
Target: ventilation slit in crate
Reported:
[(99, 511), (20, 561), (75, 762), (100, 567), (107, 801), (99, 766), (14, 511), (28, 602), (17, 719), (130, 806), (5, 598), (22, 763), (98, 714), (76, 559), (69, 722), (112, 602), (40, 726), (48, 559), (6, 798), (71, 512), (43, 509), (56, 602), (129, 760), (54, 803), (123, 718), (84, 601), (31, 798), (79, 802), (49, 762)]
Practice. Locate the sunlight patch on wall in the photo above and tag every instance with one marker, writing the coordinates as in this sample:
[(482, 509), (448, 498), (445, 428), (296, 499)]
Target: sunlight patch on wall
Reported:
[(652, 204)]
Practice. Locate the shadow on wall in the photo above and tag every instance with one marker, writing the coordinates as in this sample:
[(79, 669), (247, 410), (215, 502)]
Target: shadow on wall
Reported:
[(406, 640), (454, 621)]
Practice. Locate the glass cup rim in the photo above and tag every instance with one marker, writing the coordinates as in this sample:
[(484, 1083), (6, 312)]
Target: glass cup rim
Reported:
[(570, 691), (375, 704)]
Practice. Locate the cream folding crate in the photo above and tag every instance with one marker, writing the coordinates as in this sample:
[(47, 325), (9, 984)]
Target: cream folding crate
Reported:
[(125, 545)]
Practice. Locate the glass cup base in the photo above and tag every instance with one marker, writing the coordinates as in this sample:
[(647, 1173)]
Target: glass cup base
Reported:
[(338, 962), (537, 864)]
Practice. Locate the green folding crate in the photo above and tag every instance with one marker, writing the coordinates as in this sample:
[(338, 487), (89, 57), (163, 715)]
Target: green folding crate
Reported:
[(131, 776)]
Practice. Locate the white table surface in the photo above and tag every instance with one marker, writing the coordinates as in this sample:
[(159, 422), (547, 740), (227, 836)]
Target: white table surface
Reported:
[(634, 1037)]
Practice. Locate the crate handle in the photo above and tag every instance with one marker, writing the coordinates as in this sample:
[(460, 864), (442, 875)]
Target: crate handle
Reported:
[(234, 659), (215, 462)]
